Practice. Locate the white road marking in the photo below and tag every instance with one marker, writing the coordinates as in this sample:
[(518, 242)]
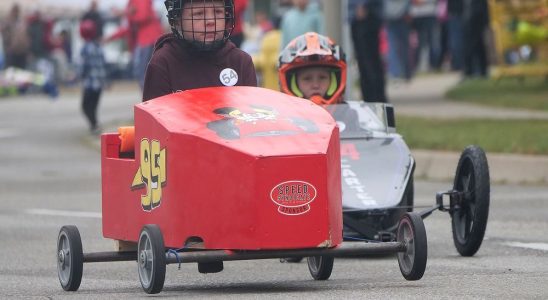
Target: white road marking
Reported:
[(536, 246), (64, 213)]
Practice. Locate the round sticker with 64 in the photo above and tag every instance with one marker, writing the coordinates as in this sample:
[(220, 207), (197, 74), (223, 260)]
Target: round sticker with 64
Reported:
[(228, 77)]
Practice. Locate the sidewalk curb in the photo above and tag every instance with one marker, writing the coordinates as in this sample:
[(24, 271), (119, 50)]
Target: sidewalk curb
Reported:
[(430, 164), (503, 168), (442, 165)]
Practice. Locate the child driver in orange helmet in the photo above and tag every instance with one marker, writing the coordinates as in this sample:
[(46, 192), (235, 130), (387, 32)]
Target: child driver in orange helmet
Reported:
[(312, 66)]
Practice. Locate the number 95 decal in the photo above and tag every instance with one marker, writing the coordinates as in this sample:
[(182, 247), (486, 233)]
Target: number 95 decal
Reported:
[(151, 174)]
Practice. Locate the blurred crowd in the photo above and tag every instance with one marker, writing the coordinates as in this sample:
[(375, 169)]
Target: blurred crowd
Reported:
[(391, 40), (41, 52), (31, 51)]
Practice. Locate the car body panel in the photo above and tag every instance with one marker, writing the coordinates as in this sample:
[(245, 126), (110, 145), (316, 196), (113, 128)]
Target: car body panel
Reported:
[(277, 189)]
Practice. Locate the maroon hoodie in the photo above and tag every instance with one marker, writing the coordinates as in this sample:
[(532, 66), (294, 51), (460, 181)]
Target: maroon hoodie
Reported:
[(175, 66)]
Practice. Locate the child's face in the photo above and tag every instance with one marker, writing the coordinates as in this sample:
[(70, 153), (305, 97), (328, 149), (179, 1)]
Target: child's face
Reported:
[(313, 81), (203, 21)]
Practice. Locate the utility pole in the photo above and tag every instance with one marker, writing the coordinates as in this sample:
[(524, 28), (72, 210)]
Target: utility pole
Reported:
[(332, 10), (336, 26)]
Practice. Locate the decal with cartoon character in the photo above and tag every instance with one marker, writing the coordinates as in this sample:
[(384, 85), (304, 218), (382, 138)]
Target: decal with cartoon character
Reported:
[(257, 121)]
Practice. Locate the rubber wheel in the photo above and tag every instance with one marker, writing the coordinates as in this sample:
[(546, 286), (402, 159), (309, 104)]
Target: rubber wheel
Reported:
[(469, 217), (320, 267), (411, 231), (70, 258), (151, 259)]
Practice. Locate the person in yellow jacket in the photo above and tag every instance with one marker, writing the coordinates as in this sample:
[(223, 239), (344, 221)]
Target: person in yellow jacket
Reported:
[(266, 61)]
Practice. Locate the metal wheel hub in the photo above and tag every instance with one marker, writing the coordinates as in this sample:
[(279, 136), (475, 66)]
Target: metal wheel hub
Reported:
[(62, 257), (143, 258)]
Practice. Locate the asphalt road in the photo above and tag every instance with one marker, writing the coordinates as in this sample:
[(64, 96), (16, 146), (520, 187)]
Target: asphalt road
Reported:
[(50, 176)]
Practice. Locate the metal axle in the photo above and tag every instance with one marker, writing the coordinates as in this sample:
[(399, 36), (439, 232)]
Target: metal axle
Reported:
[(203, 256)]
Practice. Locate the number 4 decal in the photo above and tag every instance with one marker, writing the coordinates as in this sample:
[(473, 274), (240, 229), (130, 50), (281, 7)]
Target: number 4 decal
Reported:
[(151, 173)]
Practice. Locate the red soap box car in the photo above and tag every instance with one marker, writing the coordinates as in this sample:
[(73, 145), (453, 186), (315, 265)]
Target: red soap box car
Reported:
[(201, 174), (219, 174)]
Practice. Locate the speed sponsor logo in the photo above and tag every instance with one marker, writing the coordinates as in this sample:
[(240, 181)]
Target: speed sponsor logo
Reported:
[(293, 197)]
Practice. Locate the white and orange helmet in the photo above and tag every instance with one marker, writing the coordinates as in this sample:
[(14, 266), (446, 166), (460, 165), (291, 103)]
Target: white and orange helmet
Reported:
[(313, 50)]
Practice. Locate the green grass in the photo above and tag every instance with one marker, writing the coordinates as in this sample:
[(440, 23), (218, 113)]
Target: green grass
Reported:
[(497, 136), (529, 93)]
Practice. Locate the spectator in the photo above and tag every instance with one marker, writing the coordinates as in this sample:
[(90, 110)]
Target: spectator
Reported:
[(366, 27), (398, 20), (15, 39), (264, 23), (266, 61), (455, 9), (237, 36), (65, 43), (93, 73), (94, 15), (123, 32), (475, 24), (424, 14), (60, 55), (144, 28), (443, 23), (37, 31), (300, 19), (41, 45)]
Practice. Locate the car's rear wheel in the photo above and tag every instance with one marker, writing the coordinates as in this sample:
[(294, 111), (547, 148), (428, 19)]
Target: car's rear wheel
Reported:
[(470, 214)]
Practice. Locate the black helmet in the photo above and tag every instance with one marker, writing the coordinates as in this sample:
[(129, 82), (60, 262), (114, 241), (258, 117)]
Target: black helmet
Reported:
[(190, 11)]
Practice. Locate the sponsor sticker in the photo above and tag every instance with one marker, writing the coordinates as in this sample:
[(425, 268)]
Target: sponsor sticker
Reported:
[(293, 197)]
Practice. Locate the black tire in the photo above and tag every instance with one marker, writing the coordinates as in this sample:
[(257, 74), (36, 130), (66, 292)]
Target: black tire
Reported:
[(320, 267), (469, 217), (411, 231), (151, 259), (70, 258)]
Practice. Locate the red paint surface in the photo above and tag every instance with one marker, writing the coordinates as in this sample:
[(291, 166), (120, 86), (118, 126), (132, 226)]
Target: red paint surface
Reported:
[(219, 189)]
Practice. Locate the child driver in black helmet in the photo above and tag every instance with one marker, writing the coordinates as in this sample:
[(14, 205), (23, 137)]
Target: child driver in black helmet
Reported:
[(197, 53)]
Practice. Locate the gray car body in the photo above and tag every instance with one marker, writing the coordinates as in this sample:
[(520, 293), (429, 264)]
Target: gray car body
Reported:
[(376, 164)]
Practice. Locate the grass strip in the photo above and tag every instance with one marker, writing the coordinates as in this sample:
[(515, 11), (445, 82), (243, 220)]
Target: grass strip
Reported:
[(525, 93), (497, 136)]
